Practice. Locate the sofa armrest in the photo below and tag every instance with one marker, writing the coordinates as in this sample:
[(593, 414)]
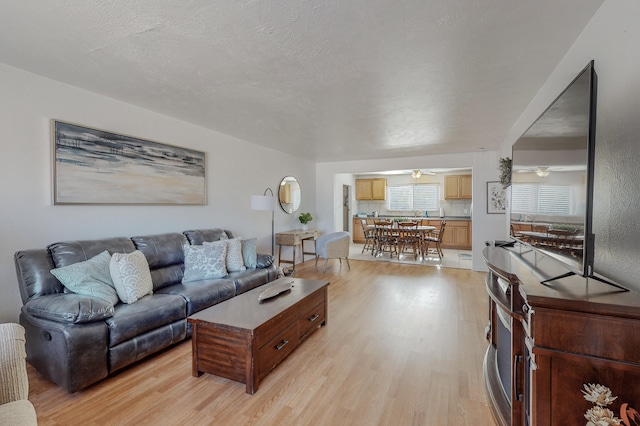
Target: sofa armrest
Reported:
[(264, 260), (18, 413), (14, 383), (69, 308), (71, 355)]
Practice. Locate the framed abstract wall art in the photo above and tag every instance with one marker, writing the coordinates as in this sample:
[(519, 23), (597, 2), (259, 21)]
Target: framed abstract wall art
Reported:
[(92, 166), (496, 200)]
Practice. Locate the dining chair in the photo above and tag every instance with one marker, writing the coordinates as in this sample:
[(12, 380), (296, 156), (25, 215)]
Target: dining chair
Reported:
[(408, 237), (386, 237), (435, 237), (369, 236)]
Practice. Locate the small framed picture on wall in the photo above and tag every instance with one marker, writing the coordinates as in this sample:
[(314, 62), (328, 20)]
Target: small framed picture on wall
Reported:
[(496, 200)]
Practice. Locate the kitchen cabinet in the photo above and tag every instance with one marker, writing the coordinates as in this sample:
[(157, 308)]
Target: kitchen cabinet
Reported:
[(357, 231), (371, 189), (457, 235), (458, 187)]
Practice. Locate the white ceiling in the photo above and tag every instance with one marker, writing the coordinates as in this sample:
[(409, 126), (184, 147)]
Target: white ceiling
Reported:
[(326, 80)]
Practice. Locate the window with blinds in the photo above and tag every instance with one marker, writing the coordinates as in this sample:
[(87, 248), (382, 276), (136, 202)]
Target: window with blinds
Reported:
[(417, 197), (542, 199)]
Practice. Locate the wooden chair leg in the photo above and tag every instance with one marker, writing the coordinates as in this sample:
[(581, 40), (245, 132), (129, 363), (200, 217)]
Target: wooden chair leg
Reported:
[(347, 259)]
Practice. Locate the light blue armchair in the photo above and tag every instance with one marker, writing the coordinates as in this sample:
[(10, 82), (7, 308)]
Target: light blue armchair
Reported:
[(333, 246)]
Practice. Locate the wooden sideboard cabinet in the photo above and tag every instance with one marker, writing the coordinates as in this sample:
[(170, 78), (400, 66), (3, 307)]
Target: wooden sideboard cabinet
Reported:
[(547, 341)]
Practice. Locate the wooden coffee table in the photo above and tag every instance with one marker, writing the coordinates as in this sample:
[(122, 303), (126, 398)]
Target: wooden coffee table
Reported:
[(243, 339)]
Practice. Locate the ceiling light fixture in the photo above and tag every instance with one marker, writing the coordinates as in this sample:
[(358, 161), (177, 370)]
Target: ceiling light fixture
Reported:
[(416, 174), (542, 171)]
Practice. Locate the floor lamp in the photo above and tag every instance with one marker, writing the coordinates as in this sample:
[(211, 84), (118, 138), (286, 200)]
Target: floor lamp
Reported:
[(266, 202)]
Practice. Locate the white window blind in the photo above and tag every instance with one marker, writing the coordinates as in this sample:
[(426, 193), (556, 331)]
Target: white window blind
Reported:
[(542, 199), (417, 197)]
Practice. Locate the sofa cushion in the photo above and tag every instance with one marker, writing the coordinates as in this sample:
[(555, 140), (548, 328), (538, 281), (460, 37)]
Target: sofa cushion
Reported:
[(90, 278), (71, 308), (205, 262), (251, 278), (165, 255), (146, 314), (70, 252), (145, 344), (131, 276), (202, 294)]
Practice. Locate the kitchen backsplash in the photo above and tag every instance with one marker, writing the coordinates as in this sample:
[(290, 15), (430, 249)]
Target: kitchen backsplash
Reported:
[(450, 207)]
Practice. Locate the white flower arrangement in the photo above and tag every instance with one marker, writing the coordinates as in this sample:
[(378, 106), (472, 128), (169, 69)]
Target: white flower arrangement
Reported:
[(600, 415)]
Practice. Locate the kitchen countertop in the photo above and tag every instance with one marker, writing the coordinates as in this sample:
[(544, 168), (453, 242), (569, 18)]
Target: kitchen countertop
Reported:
[(369, 216)]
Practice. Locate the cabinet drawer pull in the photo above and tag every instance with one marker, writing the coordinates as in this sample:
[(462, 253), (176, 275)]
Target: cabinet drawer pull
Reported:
[(281, 345), (315, 317)]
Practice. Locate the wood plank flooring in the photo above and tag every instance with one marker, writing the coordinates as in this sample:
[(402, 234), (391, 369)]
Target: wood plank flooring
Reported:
[(403, 345)]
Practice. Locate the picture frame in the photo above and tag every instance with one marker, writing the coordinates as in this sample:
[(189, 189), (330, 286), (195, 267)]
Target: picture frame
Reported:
[(496, 198), (93, 166)]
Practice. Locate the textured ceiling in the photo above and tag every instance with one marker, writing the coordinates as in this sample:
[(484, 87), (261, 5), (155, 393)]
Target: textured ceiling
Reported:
[(325, 80)]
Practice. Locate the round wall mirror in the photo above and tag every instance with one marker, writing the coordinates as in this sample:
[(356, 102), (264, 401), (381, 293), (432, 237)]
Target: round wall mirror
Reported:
[(289, 195)]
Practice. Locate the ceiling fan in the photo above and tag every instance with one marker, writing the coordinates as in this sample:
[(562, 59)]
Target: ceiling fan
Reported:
[(416, 173)]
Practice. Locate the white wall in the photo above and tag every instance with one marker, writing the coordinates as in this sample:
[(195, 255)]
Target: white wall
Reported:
[(236, 169), (611, 39), (331, 175)]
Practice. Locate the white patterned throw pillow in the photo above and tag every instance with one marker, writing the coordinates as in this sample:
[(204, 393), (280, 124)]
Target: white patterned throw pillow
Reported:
[(131, 276), (234, 259), (205, 262)]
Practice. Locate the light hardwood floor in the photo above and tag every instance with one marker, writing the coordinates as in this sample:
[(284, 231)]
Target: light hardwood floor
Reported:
[(403, 345)]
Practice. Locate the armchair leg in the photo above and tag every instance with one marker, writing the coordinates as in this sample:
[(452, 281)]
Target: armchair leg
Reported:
[(325, 265), (347, 259)]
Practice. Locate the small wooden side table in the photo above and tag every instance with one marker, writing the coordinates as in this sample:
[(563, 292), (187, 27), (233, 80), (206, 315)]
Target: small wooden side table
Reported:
[(295, 238)]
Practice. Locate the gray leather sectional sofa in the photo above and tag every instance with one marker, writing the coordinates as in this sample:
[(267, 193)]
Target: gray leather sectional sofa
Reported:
[(76, 340)]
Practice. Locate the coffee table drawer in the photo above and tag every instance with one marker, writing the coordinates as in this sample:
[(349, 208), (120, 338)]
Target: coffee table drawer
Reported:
[(272, 328), (312, 318), (277, 349)]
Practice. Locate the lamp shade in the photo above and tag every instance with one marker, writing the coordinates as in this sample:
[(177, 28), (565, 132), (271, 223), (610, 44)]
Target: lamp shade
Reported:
[(263, 202)]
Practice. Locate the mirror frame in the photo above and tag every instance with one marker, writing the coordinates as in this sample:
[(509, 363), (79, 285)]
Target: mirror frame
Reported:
[(289, 200)]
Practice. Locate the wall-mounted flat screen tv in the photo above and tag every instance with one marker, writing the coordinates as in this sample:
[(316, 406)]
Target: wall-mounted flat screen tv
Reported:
[(552, 177)]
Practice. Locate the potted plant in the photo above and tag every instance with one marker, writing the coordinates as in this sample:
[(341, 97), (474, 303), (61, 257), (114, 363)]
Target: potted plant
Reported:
[(305, 218), (504, 167)]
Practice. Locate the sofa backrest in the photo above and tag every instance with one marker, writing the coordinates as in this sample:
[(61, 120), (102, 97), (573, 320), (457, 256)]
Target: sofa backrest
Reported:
[(165, 254), (33, 266), (198, 236)]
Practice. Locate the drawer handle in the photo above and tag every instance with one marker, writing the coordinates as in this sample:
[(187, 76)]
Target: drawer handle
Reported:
[(281, 345), (315, 317)]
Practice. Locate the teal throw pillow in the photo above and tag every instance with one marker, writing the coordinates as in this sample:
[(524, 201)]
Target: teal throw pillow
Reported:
[(249, 253), (89, 278)]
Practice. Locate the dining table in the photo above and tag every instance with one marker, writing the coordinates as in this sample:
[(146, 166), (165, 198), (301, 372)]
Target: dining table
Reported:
[(421, 230)]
